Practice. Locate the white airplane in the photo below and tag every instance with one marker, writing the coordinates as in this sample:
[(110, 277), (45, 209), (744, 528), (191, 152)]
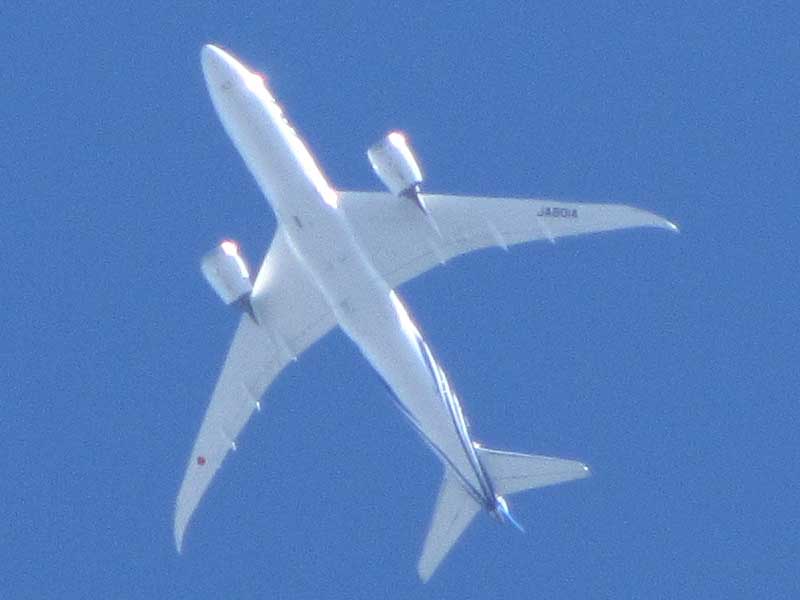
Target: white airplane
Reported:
[(336, 259)]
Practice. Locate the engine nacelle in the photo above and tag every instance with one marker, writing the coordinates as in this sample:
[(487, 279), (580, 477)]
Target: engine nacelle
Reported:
[(227, 272), (395, 165)]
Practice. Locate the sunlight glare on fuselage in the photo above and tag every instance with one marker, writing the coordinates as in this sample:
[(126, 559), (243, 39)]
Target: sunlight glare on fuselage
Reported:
[(406, 322), (255, 82)]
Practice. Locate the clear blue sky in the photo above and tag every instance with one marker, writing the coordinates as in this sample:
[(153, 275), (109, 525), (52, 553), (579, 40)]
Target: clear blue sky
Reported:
[(667, 363)]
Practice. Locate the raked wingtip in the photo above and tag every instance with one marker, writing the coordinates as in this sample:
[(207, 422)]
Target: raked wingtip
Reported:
[(179, 542), (179, 529)]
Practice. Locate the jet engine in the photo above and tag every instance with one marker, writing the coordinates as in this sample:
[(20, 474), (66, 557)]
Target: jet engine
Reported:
[(227, 272), (395, 165)]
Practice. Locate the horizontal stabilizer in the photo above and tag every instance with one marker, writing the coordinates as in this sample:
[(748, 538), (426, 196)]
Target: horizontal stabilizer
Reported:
[(454, 511), (512, 472)]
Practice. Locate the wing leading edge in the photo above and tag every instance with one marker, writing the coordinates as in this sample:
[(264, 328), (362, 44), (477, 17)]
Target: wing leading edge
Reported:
[(403, 242), (292, 315)]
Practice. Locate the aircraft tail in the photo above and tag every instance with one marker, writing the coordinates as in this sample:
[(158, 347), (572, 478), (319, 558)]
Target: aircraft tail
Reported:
[(454, 511), (513, 472), (510, 472)]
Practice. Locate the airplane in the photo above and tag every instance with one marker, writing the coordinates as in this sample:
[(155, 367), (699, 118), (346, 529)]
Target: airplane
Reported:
[(337, 258)]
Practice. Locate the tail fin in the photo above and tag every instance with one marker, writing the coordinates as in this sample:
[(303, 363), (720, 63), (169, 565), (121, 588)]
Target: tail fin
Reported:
[(509, 472), (454, 511), (512, 472)]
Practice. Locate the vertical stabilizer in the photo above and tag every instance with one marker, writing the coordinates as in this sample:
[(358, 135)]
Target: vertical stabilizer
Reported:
[(454, 511)]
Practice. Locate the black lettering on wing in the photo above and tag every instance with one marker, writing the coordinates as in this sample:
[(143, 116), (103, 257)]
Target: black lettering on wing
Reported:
[(558, 212)]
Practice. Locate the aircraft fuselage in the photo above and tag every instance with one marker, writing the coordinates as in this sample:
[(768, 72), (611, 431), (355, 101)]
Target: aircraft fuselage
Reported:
[(367, 310)]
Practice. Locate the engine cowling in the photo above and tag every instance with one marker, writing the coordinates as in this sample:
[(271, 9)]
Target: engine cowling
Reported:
[(395, 165), (227, 273)]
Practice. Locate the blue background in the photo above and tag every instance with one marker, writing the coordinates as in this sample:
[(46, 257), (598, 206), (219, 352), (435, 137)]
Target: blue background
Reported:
[(668, 363)]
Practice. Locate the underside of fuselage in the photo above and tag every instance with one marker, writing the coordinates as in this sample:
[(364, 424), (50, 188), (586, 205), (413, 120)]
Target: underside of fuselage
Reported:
[(367, 310)]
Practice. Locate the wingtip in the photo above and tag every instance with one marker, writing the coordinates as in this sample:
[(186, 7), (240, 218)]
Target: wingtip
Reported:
[(179, 529), (665, 224), (653, 219), (424, 576), (179, 541)]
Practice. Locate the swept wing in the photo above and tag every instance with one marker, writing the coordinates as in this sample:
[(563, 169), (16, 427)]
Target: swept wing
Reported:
[(291, 315), (403, 242)]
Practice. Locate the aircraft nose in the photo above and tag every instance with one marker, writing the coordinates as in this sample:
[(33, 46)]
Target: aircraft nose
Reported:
[(219, 68), (224, 72)]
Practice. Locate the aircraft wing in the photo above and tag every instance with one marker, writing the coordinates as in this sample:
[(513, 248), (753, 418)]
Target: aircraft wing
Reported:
[(404, 242), (291, 315)]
